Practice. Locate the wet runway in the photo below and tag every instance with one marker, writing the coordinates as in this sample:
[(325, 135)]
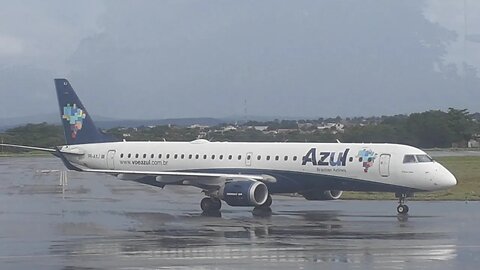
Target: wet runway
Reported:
[(100, 222)]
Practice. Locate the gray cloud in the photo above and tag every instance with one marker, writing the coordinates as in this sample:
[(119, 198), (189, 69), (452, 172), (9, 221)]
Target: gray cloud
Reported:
[(155, 59)]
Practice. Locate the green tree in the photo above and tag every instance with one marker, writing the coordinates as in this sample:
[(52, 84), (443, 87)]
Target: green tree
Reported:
[(430, 129), (42, 135), (461, 125)]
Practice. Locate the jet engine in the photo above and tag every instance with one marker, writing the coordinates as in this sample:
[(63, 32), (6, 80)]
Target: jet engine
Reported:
[(322, 195), (244, 193)]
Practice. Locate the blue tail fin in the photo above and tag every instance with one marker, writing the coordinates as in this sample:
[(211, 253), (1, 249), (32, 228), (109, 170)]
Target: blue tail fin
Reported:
[(77, 123)]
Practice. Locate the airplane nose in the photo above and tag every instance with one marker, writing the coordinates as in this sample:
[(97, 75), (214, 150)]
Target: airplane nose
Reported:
[(445, 178)]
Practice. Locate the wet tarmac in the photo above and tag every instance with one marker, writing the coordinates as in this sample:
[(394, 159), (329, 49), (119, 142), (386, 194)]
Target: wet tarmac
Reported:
[(99, 222)]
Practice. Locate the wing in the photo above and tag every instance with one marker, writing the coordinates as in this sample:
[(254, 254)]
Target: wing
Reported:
[(175, 174), (206, 181)]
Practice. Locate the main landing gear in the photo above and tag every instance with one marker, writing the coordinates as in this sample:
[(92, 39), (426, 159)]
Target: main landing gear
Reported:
[(210, 204), (402, 208), (267, 203), (263, 210)]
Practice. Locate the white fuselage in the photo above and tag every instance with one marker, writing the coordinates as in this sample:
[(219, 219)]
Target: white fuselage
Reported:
[(324, 165)]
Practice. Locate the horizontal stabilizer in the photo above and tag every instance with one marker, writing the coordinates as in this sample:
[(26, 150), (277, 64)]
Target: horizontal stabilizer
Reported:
[(28, 147)]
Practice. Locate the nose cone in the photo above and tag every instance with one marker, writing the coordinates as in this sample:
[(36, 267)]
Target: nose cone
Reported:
[(445, 179)]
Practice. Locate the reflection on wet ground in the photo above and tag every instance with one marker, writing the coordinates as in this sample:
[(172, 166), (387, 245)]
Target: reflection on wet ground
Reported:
[(104, 223)]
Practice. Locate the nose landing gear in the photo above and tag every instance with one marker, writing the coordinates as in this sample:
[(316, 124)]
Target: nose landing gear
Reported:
[(402, 208)]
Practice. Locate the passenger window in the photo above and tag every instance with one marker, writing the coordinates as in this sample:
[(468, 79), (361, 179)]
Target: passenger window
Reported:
[(259, 157), (190, 156), (294, 158), (285, 158), (221, 157), (268, 157), (144, 155), (175, 156), (229, 157), (409, 159), (182, 156), (213, 156), (197, 156), (249, 157), (424, 158), (152, 155), (129, 155), (204, 156), (168, 156), (159, 155), (136, 155), (239, 157), (121, 155), (277, 157)]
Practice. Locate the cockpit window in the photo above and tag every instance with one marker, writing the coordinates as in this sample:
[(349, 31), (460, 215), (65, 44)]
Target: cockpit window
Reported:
[(409, 159), (424, 158), (417, 158)]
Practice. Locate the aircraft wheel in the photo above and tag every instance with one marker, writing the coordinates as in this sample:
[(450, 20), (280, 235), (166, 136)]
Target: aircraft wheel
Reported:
[(210, 204), (205, 204), (402, 209), (217, 204), (268, 202)]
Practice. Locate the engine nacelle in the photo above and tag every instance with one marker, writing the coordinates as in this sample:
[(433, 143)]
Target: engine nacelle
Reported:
[(322, 195), (244, 193)]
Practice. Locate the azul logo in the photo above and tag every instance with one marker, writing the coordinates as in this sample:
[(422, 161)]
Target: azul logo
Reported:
[(326, 158), (367, 157), (74, 117)]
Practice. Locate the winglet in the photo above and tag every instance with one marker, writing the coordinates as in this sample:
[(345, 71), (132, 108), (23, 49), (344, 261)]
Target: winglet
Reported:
[(65, 161)]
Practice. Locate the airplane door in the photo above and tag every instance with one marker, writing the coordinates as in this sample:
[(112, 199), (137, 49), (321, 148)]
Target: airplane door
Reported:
[(248, 159), (111, 160), (385, 165)]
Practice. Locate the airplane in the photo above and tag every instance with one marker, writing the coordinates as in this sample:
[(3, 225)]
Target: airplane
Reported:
[(246, 173)]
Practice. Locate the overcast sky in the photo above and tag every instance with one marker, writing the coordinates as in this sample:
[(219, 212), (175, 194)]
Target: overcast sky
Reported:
[(160, 59)]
